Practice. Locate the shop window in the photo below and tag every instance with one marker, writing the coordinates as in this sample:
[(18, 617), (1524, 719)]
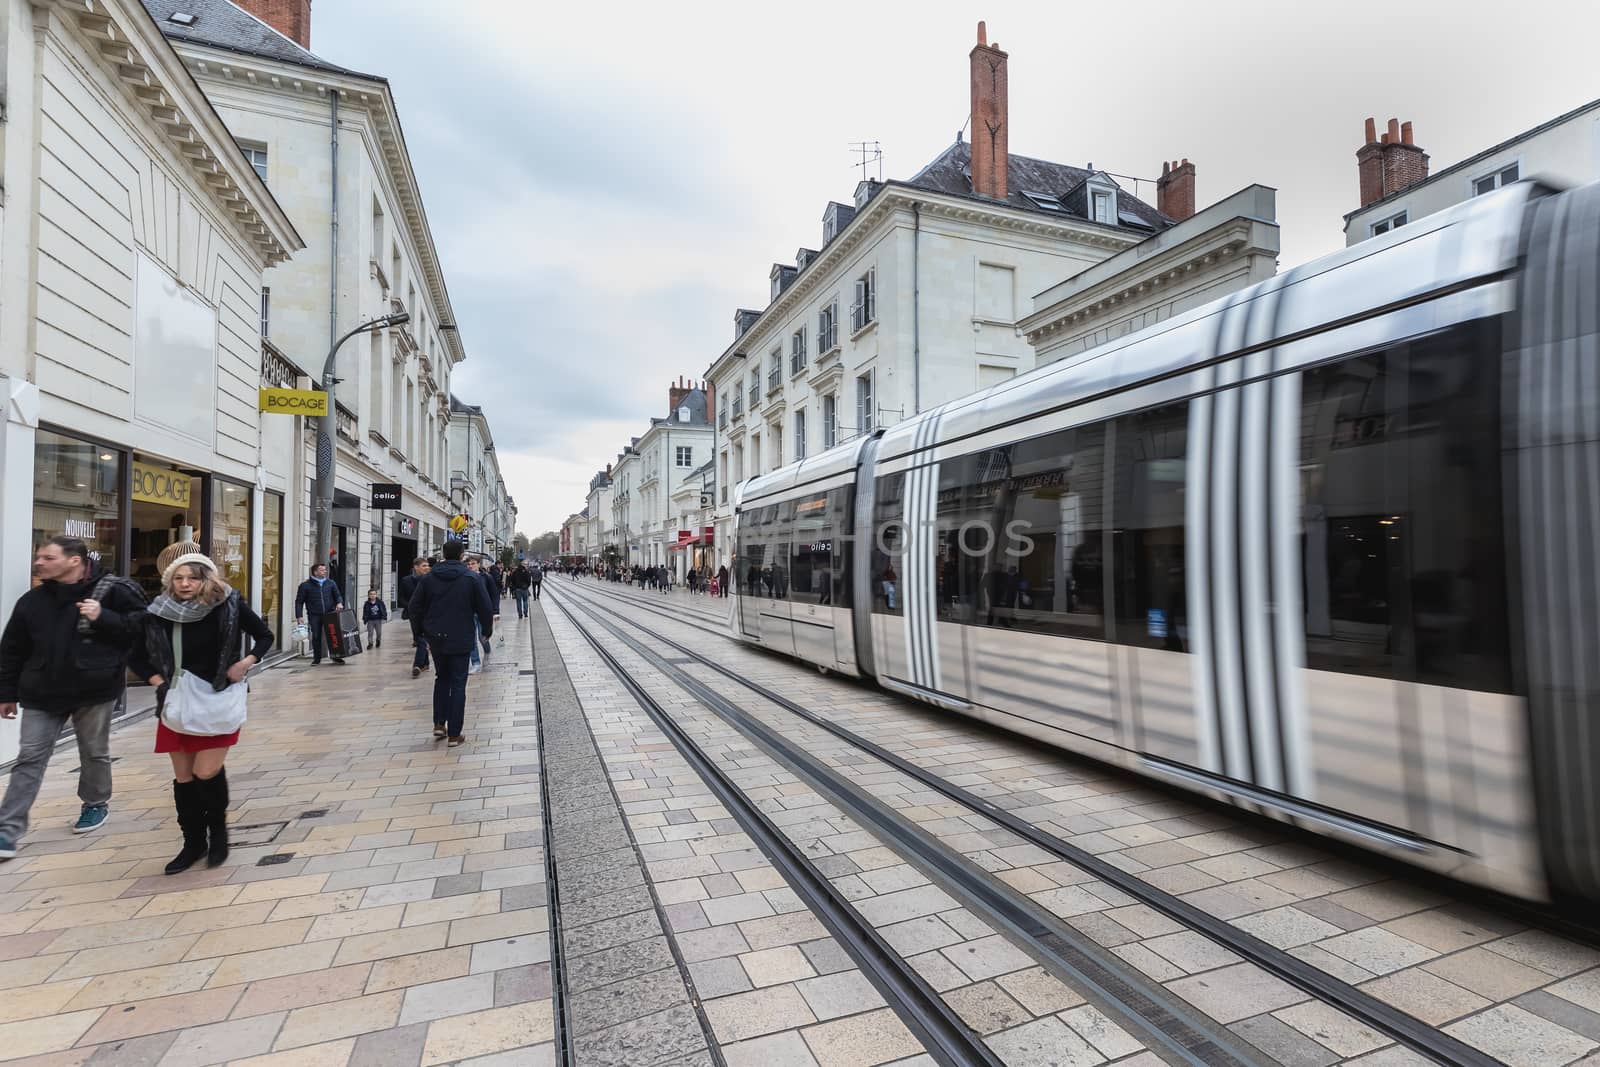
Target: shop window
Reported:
[(230, 534), (272, 564), (165, 509), (77, 492)]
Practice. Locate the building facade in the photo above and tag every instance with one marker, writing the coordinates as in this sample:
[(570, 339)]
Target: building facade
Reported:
[(600, 536), (477, 488), (327, 142), (133, 241), (915, 295), (1396, 186), (664, 457)]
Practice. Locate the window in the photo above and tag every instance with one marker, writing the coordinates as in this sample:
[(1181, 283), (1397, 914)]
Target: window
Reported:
[(755, 454), (377, 231), (799, 435), (797, 351), (375, 363), (738, 403), (1103, 203), (775, 368), (828, 328), (256, 156), (1044, 201), (266, 309), (865, 308), (722, 415), (738, 463), (864, 405), (1402, 526), (1149, 454), (1393, 222), (830, 421), (755, 388), (777, 446), (684, 456), (888, 545), (394, 268), (1490, 182)]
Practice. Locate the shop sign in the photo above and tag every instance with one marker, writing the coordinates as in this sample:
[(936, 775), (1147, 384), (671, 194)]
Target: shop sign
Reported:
[(405, 526), (293, 402), (386, 495), (82, 529), (457, 523), (156, 485)]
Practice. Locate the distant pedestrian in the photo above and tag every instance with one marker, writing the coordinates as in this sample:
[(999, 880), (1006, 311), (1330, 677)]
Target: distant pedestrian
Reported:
[(449, 609), (374, 613), (535, 579), (194, 628), (722, 580), (64, 655), (520, 582), (318, 599), (408, 585)]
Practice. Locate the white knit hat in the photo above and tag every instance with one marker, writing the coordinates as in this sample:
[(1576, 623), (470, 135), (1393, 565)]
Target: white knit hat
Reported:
[(196, 558)]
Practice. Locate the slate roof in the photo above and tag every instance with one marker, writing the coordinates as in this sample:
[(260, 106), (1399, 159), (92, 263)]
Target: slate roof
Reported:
[(221, 24), (695, 401), (950, 173)]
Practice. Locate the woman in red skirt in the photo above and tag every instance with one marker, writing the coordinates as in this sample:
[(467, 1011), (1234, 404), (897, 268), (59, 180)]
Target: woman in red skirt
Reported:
[(212, 617)]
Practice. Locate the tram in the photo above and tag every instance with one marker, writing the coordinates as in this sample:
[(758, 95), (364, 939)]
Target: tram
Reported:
[(1327, 549)]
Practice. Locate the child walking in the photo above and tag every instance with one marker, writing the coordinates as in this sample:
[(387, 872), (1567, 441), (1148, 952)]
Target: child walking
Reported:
[(374, 613)]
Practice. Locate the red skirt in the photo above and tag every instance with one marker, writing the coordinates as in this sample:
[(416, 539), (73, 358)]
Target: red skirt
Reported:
[(172, 741)]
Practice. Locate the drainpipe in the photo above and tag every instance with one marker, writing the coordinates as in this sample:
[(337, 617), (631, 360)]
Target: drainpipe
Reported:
[(916, 317)]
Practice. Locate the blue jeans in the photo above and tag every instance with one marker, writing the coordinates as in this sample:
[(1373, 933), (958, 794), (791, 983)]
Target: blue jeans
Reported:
[(477, 638), (521, 597), (420, 660), (450, 690), (40, 729)]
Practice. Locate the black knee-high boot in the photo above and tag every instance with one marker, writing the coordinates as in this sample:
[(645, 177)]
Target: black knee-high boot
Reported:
[(217, 816), (187, 797)]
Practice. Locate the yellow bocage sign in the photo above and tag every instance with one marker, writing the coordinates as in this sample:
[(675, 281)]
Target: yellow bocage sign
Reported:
[(293, 402), (458, 523)]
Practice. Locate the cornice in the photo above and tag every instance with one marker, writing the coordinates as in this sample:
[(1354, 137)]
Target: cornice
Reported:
[(1171, 267), (122, 35), (373, 96), (886, 207)]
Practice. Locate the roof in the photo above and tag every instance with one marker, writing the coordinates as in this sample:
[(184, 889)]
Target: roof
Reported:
[(224, 25), (950, 173), (1474, 160), (695, 401)]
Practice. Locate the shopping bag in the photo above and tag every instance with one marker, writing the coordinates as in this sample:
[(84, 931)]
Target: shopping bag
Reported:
[(192, 706), (343, 633)]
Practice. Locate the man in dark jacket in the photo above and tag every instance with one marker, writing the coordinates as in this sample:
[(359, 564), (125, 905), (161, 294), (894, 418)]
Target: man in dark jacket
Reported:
[(443, 611), (63, 656), (535, 579), (318, 598), (520, 582), (408, 587)]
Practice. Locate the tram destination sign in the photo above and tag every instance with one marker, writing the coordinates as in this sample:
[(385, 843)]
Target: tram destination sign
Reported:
[(386, 495)]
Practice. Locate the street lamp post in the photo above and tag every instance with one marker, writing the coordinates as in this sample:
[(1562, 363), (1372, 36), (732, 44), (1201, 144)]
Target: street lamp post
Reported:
[(327, 428)]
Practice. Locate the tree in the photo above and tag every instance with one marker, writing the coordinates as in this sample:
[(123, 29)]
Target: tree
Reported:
[(546, 544), (508, 557)]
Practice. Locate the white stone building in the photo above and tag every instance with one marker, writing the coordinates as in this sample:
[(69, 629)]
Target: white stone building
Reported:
[(328, 143), (600, 534), (664, 457), (916, 294), (1397, 188), (477, 488), (624, 505), (133, 241)]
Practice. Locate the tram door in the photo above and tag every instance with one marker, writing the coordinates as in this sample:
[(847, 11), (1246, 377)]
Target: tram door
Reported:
[(811, 581), (745, 573), (776, 573)]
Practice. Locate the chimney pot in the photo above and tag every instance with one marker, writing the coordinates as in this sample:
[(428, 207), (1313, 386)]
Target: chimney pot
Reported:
[(1394, 131), (1175, 190), (1384, 139), (990, 118), (983, 34), (1405, 133), (1390, 163), (1372, 132)]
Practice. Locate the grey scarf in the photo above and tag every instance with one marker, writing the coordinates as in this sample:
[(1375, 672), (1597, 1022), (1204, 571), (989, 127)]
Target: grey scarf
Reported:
[(173, 610)]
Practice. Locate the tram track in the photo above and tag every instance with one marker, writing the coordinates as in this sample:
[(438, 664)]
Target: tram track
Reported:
[(1383, 1018)]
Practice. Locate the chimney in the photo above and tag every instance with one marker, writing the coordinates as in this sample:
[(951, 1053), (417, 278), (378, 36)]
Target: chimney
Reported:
[(676, 394), (292, 18), (990, 134), (1175, 190), (1389, 163)]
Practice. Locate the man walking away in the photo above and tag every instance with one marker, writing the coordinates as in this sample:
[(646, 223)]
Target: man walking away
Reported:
[(448, 609), (408, 586), (521, 582), (535, 578), (317, 599), (64, 655)]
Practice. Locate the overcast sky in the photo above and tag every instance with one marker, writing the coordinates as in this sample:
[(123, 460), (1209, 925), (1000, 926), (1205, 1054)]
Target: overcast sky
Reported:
[(607, 182)]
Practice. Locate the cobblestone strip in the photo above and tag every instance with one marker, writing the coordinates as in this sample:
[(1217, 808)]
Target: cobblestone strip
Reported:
[(629, 1001)]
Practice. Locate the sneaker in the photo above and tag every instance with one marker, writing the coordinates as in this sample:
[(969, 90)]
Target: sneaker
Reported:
[(474, 668), (92, 818), (454, 741), (338, 663), (439, 731), (415, 671), (8, 848)]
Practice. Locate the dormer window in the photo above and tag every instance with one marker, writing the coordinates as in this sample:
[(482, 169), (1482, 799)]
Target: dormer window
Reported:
[(1102, 200), (182, 18), (1045, 202)]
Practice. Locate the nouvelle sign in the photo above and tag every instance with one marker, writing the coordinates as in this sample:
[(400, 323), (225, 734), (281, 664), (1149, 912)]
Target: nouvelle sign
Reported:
[(293, 402)]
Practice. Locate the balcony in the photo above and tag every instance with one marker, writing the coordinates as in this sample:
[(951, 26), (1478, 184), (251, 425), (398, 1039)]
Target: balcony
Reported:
[(755, 396), (774, 380), (346, 423)]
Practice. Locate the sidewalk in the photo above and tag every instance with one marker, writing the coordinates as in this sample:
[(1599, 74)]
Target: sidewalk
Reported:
[(384, 904)]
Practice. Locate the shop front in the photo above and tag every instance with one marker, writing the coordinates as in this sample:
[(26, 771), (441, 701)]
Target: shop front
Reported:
[(78, 492), (404, 549)]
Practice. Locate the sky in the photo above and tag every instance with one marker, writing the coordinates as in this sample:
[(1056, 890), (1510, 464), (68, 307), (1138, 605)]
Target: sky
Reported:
[(606, 183)]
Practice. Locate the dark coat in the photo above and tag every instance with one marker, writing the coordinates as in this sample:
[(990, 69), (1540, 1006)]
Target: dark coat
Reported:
[(443, 607), (407, 587), (374, 610), (317, 598), (49, 662), (520, 579)]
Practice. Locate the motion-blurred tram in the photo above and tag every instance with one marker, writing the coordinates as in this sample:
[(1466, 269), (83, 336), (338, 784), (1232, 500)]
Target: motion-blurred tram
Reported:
[(1327, 549)]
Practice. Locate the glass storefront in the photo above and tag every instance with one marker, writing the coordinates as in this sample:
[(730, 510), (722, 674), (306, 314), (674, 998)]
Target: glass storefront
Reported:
[(272, 565), (166, 508), (77, 492), (230, 533)]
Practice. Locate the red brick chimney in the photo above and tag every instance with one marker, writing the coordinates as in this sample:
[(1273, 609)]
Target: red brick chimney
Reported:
[(675, 395), (989, 118), (1175, 190), (292, 18), (1389, 163)]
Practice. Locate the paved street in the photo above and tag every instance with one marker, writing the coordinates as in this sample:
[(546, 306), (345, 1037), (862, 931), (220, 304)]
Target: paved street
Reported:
[(387, 903)]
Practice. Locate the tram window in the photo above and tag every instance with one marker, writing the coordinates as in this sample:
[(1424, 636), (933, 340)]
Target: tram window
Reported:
[(1402, 513), (1044, 501), (811, 570), (960, 548), (775, 571), (1147, 512), (841, 516), (888, 545)]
